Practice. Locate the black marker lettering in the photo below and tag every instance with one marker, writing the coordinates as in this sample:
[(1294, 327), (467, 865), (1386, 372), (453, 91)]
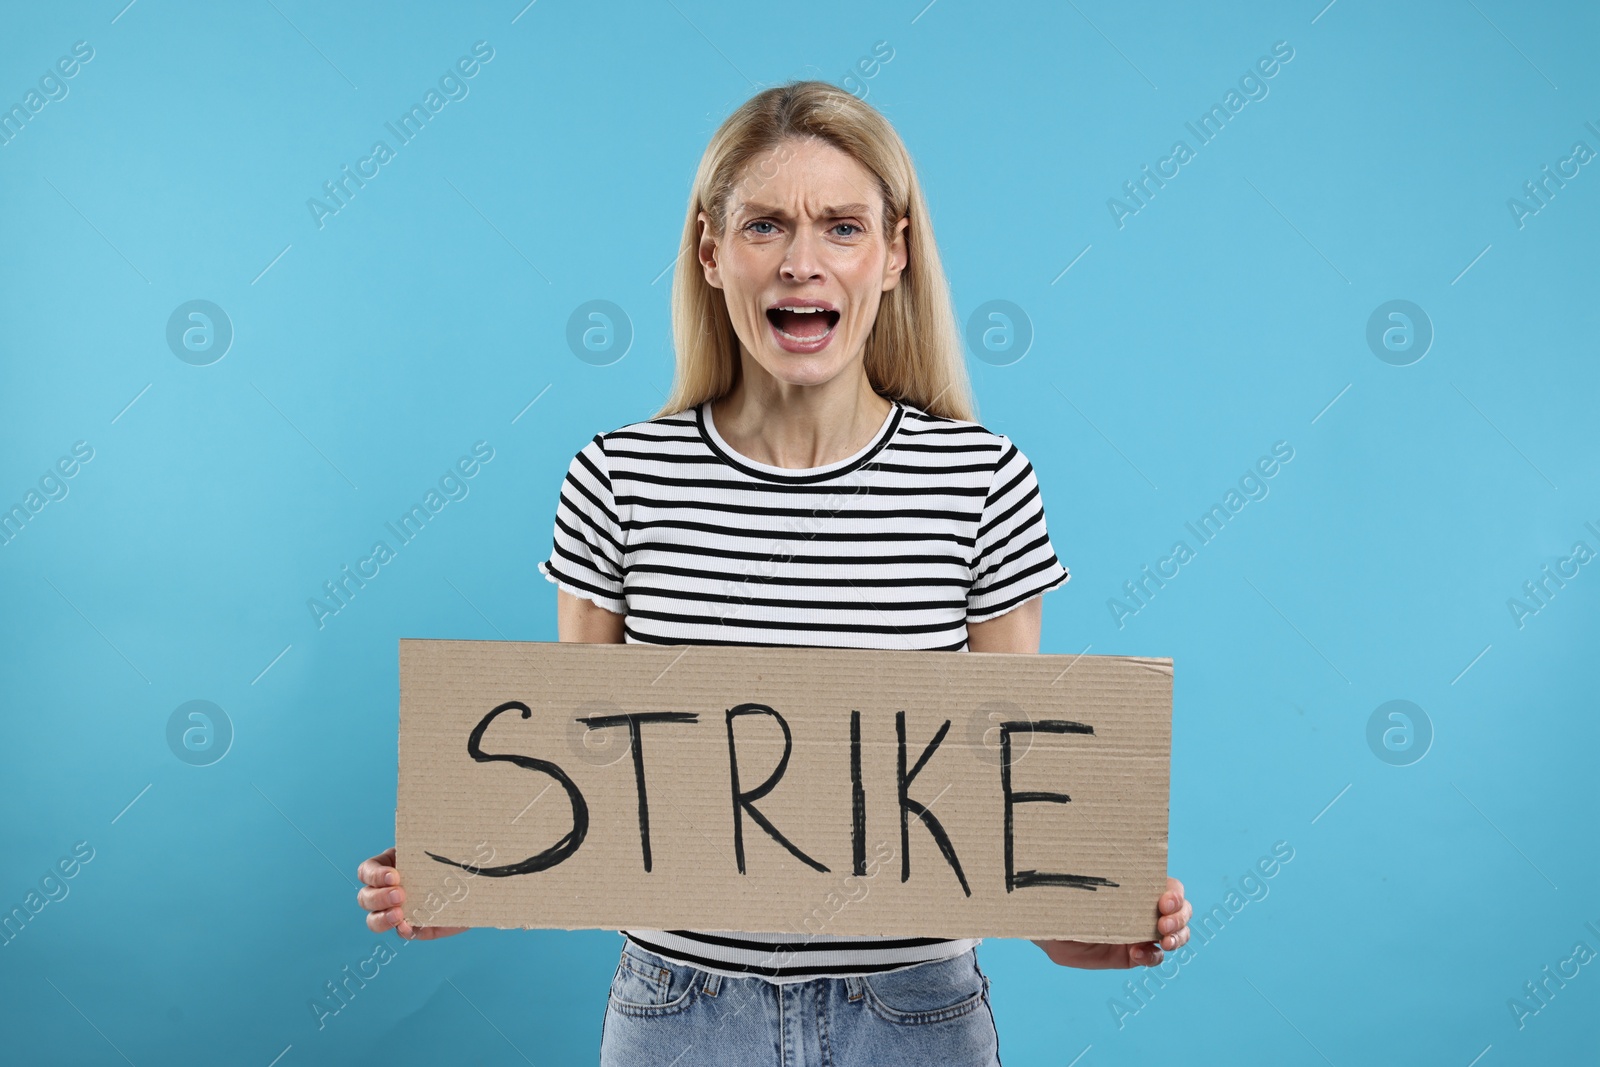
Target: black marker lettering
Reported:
[(1016, 879), (745, 802), (636, 743), (858, 800), (909, 805), (557, 852)]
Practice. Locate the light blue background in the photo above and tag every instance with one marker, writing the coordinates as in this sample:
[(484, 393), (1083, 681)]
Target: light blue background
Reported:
[(1223, 317)]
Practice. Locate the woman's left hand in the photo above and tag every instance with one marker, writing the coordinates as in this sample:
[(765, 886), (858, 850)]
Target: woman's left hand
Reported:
[(1173, 926)]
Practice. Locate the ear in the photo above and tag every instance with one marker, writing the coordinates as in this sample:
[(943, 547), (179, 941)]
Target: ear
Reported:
[(706, 252), (899, 255)]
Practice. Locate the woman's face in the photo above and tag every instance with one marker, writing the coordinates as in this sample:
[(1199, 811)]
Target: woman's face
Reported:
[(804, 229)]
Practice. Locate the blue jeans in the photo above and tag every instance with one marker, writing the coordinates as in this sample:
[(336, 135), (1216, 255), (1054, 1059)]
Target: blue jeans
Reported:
[(661, 1013)]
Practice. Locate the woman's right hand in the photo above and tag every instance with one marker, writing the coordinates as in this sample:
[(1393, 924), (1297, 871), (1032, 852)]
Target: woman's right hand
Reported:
[(382, 896)]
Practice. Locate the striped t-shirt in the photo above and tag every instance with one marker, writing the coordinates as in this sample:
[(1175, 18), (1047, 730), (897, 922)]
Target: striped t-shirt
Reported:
[(935, 523)]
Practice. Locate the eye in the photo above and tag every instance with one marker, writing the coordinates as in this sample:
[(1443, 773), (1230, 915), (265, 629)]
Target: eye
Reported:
[(848, 225), (759, 222)]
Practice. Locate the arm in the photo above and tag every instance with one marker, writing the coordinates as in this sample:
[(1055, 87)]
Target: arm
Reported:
[(1015, 631), (585, 621), (1018, 631)]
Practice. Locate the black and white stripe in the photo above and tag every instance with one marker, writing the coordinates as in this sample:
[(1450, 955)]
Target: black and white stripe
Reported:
[(935, 523)]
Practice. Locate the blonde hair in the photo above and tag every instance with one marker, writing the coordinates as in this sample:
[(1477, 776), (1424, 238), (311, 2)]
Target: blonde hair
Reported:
[(914, 351)]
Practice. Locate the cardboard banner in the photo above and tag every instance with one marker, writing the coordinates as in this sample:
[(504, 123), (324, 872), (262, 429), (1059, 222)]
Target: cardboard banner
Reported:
[(766, 790)]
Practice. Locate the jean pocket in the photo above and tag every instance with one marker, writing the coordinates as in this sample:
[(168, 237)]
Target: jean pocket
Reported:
[(928, 992), (647, 985)]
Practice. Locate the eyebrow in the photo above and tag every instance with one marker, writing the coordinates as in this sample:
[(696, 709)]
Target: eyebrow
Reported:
[(827, 212)]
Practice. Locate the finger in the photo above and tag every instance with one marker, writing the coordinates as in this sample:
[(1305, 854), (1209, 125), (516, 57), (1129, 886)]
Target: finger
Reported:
[(1172, 899), (383, 882), (1171, 924), (374, 871), (373, 867), (1146, 955), (380, 898), (378, 921)]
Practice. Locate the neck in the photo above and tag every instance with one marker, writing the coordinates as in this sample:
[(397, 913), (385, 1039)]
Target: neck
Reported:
[(799, 426)]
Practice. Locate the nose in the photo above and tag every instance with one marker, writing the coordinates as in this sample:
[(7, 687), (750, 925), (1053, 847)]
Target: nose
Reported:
[(801, 260)]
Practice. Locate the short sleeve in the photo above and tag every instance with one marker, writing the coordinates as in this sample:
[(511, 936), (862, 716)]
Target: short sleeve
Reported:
[(1013, 559), (586, 553)]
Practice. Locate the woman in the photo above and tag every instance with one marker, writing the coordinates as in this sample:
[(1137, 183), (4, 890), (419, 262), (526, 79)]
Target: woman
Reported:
[(816, 478)]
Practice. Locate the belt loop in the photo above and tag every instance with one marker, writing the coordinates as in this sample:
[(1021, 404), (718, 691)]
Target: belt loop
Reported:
[(713, 983), (852, 987)]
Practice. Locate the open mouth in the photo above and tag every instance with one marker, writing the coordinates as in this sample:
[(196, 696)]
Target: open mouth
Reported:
[(802, 325)]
